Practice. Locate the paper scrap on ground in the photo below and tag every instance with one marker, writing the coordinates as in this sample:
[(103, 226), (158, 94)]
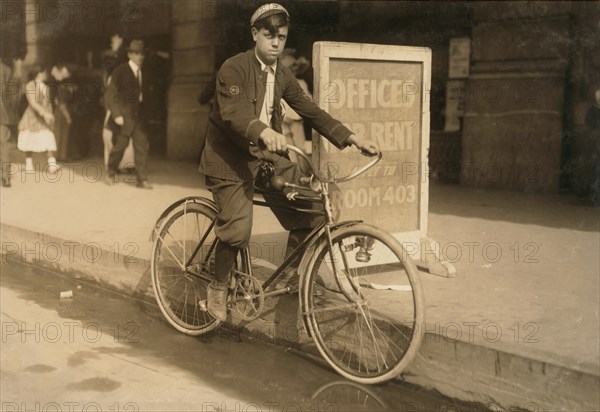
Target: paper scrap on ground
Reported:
[(401, 288)]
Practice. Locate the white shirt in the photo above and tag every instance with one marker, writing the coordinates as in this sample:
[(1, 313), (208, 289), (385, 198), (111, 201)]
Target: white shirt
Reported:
[(138, 74), (266, 112)]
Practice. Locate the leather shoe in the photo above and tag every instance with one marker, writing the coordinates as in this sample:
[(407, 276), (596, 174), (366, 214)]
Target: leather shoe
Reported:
[(217, 301), (143, 184), (109, 179)]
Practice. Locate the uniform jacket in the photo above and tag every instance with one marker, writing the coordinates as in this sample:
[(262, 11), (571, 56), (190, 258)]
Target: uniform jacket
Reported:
[(122, 97), (231, 149)]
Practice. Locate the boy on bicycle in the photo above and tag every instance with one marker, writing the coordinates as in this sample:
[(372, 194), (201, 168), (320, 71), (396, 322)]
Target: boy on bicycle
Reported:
[(245, 130)]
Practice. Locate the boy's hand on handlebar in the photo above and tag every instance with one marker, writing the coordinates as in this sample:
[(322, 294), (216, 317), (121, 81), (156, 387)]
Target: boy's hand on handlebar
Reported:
[(273, 141), (366, 146)]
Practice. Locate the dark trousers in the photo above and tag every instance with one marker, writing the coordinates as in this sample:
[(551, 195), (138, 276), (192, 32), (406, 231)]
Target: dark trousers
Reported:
[(5, 132), (140, 152), (62, 129), (234, 222)]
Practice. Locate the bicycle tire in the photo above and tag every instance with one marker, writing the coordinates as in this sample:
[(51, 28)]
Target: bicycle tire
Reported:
[(172, 279), (382, 297)]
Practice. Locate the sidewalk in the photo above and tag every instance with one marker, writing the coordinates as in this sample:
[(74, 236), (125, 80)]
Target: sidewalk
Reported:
[(517, 326)]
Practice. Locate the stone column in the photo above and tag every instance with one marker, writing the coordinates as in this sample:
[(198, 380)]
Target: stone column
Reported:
[(582, 146), (195, 38), (513, 126)]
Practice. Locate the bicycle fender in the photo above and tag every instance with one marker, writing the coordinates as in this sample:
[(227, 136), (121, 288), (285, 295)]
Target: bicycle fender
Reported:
[(308, 255), (195, 199)]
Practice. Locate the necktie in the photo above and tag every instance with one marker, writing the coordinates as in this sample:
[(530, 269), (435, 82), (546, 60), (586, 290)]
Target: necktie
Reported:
[(138, 76), (276, 115), (267, 109)]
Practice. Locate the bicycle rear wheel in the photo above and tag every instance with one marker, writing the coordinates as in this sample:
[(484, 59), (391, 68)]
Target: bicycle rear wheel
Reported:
[(363, 305), (181, 268)]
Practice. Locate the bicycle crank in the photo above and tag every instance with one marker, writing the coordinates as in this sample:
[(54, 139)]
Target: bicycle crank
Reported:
[(248, 297)]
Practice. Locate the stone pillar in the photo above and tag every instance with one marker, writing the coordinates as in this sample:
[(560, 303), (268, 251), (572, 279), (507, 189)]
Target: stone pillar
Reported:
[(582, 147), (195, 37), (513, 126), (13, 43), (35, 26)]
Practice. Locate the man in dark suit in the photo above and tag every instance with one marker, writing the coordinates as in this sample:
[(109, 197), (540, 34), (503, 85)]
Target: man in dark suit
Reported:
[(244, 129), (125, 100), (8, 115)]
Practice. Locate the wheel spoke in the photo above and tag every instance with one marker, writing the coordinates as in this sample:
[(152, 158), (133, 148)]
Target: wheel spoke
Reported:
[(198, 276), (160, 239), (201, 242), (388, 340), (179, 243), (338, 329), (331, 308), (184, 232), (397, 329), (180, 268), (367, 321), (363, 300)]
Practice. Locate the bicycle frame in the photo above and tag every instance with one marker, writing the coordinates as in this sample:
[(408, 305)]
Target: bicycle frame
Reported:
[(321, 231), (324, 229), (342, 307)]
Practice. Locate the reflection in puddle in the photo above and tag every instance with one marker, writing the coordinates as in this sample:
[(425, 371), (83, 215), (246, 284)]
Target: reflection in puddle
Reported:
[(348, 396)]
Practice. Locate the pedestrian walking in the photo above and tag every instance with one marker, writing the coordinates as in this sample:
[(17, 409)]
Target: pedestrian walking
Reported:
[(111, 58), (35, 127), (8, 116), (60, 93), (125, 100)]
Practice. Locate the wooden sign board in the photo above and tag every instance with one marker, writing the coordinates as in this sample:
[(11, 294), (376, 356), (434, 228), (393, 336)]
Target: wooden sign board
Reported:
[(380, 92)]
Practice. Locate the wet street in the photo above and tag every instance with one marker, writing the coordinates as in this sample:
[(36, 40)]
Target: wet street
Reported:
[(100, 351)]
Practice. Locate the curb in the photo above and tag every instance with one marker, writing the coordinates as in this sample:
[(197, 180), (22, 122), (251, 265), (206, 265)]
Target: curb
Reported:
[(467, 371)]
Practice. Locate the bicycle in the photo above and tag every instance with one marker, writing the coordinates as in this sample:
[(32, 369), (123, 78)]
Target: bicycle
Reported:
[(360, 298)]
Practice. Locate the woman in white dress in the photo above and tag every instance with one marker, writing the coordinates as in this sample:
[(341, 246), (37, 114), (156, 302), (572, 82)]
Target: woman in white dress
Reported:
[(35, 127)]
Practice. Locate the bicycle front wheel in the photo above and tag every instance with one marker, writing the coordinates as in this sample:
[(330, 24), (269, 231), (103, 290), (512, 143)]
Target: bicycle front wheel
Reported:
[(181, 268), (363, 303)]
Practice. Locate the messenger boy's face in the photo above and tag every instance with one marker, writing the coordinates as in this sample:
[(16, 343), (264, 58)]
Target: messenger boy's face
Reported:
[(269, 45)]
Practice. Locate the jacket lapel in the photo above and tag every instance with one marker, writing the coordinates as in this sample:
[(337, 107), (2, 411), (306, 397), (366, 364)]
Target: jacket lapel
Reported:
[(134, 80), (260, 82)]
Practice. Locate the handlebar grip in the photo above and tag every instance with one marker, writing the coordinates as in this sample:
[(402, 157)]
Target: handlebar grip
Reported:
[(368, 154)]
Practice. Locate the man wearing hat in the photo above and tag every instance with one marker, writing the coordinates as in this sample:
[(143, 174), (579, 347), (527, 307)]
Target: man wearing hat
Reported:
[(244, 129), (125, 100)]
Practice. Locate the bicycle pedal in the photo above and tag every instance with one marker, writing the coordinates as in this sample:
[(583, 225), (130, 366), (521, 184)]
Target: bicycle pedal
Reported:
[(203, 305)]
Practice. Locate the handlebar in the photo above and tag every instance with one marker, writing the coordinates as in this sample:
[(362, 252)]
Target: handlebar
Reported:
[(351, 176)]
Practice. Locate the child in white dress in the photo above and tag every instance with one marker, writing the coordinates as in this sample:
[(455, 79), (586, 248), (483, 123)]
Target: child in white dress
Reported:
[(35, 127)]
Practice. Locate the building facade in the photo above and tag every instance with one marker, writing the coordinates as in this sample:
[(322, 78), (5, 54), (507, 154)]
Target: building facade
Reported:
[(511, 81)]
